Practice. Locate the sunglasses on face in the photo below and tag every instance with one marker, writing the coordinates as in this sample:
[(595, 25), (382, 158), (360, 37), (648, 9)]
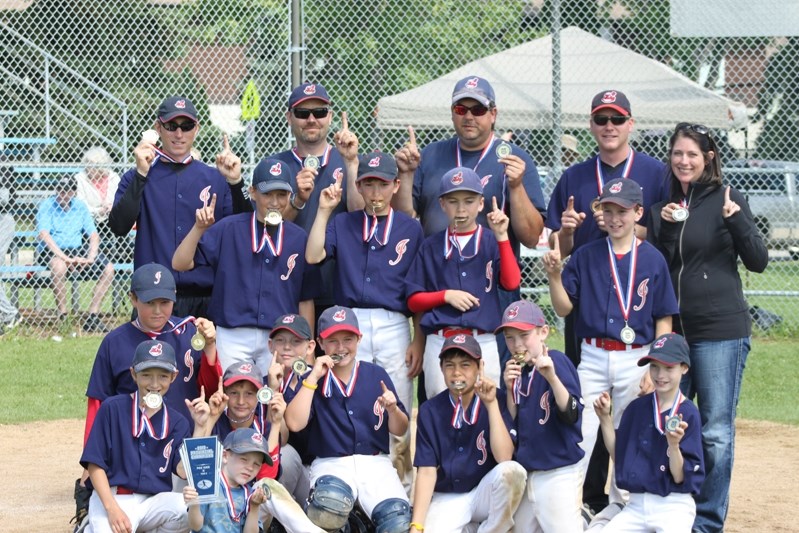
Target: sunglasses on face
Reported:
[(317, 112), (477, 110), (698, 128), (184, 126), (616, 120)]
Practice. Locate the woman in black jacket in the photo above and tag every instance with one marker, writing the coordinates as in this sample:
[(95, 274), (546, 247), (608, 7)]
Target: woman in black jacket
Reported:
[(702, 230)]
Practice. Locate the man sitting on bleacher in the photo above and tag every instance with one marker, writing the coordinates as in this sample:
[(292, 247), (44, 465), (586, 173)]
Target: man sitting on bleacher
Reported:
[(62, 222)]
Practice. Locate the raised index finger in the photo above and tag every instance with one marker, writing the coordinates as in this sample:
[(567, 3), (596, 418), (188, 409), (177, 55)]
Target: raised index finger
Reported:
[(225, 143), (213, 202), (727, 195), (570, 204), (344, 123), (555, 243), (494, 205), (383, 386), (411, 136)]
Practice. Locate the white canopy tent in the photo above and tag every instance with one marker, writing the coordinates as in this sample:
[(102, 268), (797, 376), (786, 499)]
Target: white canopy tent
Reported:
[(522, 80)]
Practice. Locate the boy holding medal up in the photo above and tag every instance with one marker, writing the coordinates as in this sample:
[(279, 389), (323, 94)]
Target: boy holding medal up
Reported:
[(624, 296), (661, 462)]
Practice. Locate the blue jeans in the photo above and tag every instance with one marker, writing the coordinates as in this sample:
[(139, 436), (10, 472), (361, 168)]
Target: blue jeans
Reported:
[(715, 380)]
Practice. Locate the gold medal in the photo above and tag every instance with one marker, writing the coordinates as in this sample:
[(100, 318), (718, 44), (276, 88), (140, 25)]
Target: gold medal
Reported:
[(299, 367), (273, 217), (153, 400), (264, 395), (595, 205), (519, 357), (198, 341), (311, 162)]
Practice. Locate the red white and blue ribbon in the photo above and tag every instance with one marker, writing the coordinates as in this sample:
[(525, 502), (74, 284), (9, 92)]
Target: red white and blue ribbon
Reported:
[(275, 247), (141, 422), (483, 154), (459, 415), (624, 302), (160, 154), (231, 505), (331, 380), (451, 242), (518, 393), (675, 407), (370, 226), (178, 328), (322, 160), (600, 179)]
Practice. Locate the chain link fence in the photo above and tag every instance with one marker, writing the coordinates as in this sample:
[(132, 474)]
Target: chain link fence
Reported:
[(78, 74)]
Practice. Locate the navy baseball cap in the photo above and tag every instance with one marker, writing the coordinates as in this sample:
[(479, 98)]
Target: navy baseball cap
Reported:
[(463, 342), (622, 191), (669, 349), (152, 281), (308, 91), (523, 315), (176, 106), (460, 179), (271, 175), (154, 354), (615, 100), (246, 440), (475, 88), (295, 324), (243, 372), (337, 318), (377, 165)]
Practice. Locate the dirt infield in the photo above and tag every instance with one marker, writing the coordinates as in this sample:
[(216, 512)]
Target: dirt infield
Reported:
[(41, 464)]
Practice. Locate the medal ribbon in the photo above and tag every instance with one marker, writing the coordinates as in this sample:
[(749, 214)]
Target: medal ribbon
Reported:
[(483, 154), (459, 416), (518, 393), (322, 160), (178, 328), (231, 505), (141, 422), (160, 154), (684, 203), (451, 242), (370, 229), (624, 303), (275, 247), (332, 380), (600, 180), (675, 407), (284, 384)]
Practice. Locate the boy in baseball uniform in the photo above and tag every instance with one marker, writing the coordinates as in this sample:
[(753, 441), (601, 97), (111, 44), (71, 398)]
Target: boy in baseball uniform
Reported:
[(657, 448), (465, 473), (544, 401), (455, 276)]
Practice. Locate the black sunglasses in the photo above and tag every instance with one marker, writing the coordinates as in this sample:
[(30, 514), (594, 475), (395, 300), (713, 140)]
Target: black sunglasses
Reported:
[(616, 120), (698, 128), (317, 112), (477, 110), (184, 126)]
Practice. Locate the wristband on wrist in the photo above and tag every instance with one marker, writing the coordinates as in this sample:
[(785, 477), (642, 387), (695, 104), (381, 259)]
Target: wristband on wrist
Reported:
[(308, 385), (294, 205), (419, 527)]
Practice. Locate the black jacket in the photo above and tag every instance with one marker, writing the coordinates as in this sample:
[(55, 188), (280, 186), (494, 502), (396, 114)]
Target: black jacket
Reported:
[(702, 253)]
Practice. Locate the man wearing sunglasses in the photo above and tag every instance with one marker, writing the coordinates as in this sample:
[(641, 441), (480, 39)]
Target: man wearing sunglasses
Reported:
[(164, 190), (575, 217)]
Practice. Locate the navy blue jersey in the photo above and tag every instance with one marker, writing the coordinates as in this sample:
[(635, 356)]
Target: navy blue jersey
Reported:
[(543, 440), (580, 181), (461, 456), (588, 282), (440, 157), (642, 464), (433, 271), (340, 426), (141, 464), (171, 196), (254, 289), (298, 439), (111, 370), (371, 265)]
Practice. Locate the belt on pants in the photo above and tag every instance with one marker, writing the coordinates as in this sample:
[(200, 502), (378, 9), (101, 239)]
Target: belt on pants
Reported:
[(452, 331), (612, 344), (124, 490)]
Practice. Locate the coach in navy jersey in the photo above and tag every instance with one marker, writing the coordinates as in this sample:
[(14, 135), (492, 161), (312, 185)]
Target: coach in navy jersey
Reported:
[(162, 193), (513, 180), (315, 164)]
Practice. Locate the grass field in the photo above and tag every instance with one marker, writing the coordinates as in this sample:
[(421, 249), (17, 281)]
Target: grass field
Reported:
[(41, 379)]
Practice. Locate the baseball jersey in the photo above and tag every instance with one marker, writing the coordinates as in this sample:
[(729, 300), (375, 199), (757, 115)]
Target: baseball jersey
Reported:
[(475, 269), (331, 167), (461, 456), (145, 463), (67, 228), (442, 156), (111, 370), (341, 425), (642, 462), (171, 196), (216, 517), (588, 282), (580, 180), (298, 439), (252, 289), (543, 440), (371, 262)]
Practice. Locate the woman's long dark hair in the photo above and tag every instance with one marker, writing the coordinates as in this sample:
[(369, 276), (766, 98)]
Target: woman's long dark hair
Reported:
[(711, 175)]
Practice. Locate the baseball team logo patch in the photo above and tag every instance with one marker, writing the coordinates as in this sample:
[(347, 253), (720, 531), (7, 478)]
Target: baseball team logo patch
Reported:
[(401, 248), (338, 174), (513, 312), (660, 343), (289, 319), (205, 194), (311, 89), (615, 188), (485, 179), (340, 315), (180, 104), (157, 277), (472, 83), (480, 444), (609, 97), (276, 169), (291, 262), (459, 339), (457, 179), (156, 349), (245, 368), (257, 438), (374, 162)]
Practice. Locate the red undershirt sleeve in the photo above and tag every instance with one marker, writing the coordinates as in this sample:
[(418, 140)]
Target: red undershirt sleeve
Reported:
[(267, 471), (510, 277), (208, 376), (420, 302), (92, 405)]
